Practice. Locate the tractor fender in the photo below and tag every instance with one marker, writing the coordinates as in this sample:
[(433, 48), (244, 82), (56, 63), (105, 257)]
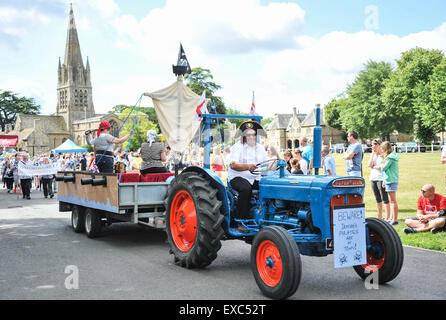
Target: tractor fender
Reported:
[(216, 183)]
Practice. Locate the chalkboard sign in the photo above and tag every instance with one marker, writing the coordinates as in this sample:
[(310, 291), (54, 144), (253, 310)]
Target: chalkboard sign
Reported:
[(349, 236)]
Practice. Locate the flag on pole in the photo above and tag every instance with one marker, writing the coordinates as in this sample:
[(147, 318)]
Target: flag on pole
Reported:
[(201, 108), (253, 107), (92, 167), (182, 60)]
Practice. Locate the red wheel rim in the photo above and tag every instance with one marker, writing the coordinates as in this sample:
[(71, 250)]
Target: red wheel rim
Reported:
[(183, 221), (374, 263), (269, 263)]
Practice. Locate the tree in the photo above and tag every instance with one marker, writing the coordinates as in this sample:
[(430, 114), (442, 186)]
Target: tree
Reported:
[(141, 128), (11, 105), (333, 112), (432, 99), (404, 96), (149, 111), (200, 80), (364, 110)]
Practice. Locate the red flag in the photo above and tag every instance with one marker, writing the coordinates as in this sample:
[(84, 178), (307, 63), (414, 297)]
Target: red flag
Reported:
[(202, 107), (253, 107)]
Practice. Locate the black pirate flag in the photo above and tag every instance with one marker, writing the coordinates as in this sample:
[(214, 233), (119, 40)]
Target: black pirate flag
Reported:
[(182, 60)]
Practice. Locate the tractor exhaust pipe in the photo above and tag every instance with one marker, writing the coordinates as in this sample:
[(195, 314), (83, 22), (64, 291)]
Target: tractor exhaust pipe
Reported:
[(317, 141)]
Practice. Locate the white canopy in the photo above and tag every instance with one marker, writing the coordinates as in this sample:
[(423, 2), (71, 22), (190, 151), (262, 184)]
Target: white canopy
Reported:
[(175, 108)]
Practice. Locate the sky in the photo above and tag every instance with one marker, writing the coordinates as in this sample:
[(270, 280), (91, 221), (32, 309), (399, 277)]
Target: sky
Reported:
[(289, 53)]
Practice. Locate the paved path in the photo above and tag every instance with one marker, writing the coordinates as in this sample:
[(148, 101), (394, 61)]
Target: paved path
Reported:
[(38, 250)]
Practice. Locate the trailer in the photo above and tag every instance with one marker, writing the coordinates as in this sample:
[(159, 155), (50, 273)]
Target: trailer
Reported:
[(97, 200)]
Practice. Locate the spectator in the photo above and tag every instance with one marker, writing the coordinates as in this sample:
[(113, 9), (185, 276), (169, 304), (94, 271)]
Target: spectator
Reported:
[(83, 163), (153, 155), (272, 153), (443, 159), (217, 163), (9, 175), (431, 212), (376, 179), (353, 155), (287, 155), (295, 167), (47, 181), (329, 163), (25, 181), (307, 154), (302, 163), (390, 178)]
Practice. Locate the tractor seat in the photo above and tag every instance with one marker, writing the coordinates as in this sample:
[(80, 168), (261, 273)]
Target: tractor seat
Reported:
[(254, 195)]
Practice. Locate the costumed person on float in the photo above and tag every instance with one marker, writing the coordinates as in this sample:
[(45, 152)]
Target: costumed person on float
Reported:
[(104, 144), (242, 162)]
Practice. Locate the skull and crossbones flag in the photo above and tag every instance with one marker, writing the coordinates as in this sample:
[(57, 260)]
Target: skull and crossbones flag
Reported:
[(182, 60)]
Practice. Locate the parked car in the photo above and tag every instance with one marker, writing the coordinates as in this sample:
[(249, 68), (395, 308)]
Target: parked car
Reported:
[(411, 147), (337, 148), (366, 148), (438, 145)]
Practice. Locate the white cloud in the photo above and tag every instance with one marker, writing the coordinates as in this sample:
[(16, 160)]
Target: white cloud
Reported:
[(213, 27), (322, 68), (106, 8)]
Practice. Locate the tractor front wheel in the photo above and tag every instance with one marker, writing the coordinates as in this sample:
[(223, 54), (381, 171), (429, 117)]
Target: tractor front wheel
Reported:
[(275, 262), (385, 254), (194, 222)]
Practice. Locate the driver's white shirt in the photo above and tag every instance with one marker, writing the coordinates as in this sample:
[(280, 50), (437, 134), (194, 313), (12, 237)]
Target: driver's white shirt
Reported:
[(242, 153)]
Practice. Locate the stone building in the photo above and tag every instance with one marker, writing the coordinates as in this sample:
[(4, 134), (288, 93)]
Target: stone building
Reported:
[(74, 110), (285, 130)]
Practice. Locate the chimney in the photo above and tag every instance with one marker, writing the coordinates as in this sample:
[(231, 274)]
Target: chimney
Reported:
[(294, 112)]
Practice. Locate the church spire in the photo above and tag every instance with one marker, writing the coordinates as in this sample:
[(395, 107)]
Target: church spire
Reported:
[(73, 56)]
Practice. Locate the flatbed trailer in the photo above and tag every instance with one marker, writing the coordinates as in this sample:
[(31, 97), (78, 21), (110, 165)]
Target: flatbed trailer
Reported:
[(97, 200)]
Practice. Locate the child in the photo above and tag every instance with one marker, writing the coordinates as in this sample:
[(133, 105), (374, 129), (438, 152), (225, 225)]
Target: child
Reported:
[(295, 167)]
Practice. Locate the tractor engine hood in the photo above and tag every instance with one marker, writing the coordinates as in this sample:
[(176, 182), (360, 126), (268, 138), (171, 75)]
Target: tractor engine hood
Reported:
[(304, 187)]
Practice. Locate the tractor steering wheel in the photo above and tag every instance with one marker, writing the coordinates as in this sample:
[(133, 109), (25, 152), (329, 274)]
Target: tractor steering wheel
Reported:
[(269, 167)]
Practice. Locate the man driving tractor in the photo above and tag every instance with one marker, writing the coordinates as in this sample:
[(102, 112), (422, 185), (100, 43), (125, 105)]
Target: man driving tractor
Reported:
[(243, 159)]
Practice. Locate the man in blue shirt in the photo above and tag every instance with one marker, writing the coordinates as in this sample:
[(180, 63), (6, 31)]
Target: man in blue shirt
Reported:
[(353, 155), (329, 162), (307, 153)]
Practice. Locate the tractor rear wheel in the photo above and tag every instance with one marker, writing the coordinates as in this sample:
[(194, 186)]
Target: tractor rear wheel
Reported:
[(78, 219), (194, 222), (275, 262), (385, 255)]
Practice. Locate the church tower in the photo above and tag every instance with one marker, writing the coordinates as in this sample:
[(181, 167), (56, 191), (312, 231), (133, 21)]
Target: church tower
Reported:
[(74, 91)]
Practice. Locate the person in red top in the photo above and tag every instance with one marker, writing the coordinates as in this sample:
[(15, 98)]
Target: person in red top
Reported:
[(431, 212)]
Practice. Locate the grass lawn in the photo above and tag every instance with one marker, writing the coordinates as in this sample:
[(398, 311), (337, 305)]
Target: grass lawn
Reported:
[(415, 169)]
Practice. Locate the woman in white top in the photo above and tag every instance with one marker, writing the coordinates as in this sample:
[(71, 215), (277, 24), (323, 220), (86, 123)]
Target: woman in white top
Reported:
[(376, 179)]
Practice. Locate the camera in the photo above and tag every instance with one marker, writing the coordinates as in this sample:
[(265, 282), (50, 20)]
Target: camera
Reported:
[(87, 132)]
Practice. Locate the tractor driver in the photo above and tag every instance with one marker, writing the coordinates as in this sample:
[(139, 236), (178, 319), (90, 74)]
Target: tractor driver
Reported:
[(242, 162)]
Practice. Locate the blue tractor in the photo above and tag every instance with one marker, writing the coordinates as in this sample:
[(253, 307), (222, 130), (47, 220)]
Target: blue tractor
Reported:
[(291, 215)]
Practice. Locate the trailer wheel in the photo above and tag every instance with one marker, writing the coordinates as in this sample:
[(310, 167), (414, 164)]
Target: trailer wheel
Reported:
[(78, 219), (193, 221), (385, 255), (275, 262), (93, 223)]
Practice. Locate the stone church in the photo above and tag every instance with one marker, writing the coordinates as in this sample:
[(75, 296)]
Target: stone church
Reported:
[(285, 130), (75, 109)]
